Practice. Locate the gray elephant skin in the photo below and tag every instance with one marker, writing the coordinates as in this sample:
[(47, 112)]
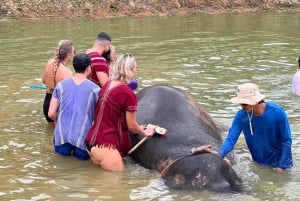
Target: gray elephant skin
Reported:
[(189, 125)]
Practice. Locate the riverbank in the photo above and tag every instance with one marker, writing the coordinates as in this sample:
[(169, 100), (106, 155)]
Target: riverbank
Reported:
[(15, 9)]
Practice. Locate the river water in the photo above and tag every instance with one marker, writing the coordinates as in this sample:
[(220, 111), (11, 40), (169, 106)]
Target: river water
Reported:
[(206, 56)]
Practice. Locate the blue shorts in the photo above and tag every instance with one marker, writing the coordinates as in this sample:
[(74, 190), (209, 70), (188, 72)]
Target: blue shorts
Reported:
[(68, 150)]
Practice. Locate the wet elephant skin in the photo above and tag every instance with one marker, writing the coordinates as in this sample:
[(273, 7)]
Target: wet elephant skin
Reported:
[(189, 125)]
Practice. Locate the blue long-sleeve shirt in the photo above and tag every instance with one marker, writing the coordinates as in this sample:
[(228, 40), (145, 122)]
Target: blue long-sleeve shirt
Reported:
[(271, 141)]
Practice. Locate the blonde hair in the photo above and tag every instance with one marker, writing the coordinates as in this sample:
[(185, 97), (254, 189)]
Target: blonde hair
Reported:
[(121, 70)]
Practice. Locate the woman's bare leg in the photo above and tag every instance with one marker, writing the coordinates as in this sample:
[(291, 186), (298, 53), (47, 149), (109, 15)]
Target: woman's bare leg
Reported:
[(107, 158)]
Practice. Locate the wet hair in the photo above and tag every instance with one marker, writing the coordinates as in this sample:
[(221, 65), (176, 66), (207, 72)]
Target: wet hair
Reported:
[(64, 47), (121, 70), (81, 62), (103, 37)]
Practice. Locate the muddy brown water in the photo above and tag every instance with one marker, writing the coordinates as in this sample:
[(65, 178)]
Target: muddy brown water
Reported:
[(206, 56)]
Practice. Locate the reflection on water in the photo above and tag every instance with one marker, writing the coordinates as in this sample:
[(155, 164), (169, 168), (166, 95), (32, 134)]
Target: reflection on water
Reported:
[(206, 56)]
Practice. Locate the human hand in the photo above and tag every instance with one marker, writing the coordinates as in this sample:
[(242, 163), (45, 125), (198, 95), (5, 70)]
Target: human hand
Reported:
[(208, 148), (113, 54), (227, 161), (149, 130)]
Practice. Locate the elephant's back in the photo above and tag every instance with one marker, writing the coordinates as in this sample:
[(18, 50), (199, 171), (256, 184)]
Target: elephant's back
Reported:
[(187, 123)]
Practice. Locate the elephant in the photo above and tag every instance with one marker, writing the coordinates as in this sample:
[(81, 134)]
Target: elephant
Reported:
[(189, 125)]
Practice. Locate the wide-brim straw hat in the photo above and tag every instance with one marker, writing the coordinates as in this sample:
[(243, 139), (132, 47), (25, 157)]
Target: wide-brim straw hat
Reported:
[(248, 93)]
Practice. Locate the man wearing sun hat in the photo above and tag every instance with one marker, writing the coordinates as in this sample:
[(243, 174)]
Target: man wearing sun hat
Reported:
[(265, 126)]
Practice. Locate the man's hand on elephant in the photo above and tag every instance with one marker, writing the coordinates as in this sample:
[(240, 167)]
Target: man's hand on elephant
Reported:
[(227, 161), (208, 148)]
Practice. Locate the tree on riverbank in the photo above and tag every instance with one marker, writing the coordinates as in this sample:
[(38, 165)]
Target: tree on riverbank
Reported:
[(121, 8)]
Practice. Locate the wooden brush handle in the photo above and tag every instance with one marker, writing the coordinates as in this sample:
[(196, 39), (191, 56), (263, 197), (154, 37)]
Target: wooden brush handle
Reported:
[(137, 145)]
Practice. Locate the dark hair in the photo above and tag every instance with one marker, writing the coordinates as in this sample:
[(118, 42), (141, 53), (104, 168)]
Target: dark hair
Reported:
[(81, 62), (299, 61), (104, 36), (106, 55), (262, 101)]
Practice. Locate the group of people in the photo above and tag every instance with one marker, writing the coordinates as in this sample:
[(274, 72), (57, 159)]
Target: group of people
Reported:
[(95, 109)]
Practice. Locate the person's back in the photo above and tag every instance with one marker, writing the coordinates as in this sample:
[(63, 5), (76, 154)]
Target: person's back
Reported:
[(62, 72), (296, 81), (56, 70), (100, 67), (73, 105), (76, 111)]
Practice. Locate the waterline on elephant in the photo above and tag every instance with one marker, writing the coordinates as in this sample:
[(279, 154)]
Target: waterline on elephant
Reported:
[(189, 126)]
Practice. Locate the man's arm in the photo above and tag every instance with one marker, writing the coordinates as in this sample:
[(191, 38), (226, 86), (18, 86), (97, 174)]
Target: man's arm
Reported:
[(286, 143), (52, 112), (102, 77)]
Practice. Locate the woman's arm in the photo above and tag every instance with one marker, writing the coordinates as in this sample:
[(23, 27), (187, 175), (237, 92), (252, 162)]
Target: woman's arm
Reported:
[(52, 112), (134, 127)]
